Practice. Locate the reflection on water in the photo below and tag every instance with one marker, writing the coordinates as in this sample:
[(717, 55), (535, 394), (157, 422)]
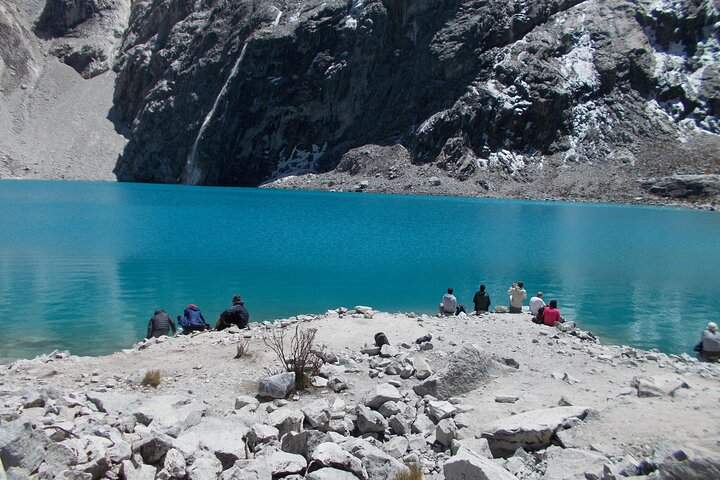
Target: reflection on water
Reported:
[(84, 265)]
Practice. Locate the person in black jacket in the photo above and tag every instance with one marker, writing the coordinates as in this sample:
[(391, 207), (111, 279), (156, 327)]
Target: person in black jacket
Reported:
[(481, 300), (235, 315), (160, 324)]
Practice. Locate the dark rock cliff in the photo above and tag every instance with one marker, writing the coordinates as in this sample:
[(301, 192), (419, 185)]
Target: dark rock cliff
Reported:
[(239, 93)]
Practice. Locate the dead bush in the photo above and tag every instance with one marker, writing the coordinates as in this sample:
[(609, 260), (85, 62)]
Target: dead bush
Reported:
[(303, 358)]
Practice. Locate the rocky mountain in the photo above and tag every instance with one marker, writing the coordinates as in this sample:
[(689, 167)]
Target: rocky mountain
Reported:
[(581, 99), (482, 92), (56, 84)]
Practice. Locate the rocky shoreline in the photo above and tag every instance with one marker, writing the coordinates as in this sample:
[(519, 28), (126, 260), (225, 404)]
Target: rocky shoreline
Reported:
[(492, 396)]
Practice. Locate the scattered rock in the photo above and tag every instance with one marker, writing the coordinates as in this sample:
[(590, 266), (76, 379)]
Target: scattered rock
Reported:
[(277, 386)]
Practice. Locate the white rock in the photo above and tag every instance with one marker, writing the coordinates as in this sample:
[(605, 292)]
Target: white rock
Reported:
[(331, 455), (175, 463), (399, 424), (396, 447), (389, 351), (282, 464), (441, 409), (465, 466), (330, 474), (286, 420), (277, 386), (382, 393), (422, 369), (369, 420), (143, 472), (244, 400), (573, 464), (317, 414), (445, 432), (532, 430), (261, 433), (204, 468)]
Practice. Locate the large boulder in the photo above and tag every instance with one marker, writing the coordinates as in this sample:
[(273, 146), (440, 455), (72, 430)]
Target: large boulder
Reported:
[(303, 443), (277, 386), (466, 465), (331, 455), (282, 464), (21, 445), (286, 420), (223, 436), (131, 471), (153, 448), (378, 464), (531, 430), (317, 415), (658, 386), (204, 468), (369, 420), (466, 370), (381, 393)]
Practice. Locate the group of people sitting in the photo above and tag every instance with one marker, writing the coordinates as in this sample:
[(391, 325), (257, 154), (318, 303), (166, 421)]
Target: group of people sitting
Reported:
[(542, 313), (192, 320)]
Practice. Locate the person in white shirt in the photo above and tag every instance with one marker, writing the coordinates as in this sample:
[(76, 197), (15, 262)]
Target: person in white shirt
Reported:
[(517, 297), (449, 304), (535, 303)]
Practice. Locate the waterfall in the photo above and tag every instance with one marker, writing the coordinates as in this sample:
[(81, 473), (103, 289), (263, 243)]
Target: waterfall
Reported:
[(193, 173)]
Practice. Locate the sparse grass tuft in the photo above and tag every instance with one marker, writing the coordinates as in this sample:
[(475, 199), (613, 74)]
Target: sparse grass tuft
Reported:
[(243, 349), (152, 378), (414, 472)]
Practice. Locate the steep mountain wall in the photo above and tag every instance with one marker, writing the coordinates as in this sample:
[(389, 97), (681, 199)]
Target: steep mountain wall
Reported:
[(240, 93)]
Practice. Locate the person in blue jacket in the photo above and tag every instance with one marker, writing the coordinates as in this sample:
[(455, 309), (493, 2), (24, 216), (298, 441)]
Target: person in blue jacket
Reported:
[(193, 320)]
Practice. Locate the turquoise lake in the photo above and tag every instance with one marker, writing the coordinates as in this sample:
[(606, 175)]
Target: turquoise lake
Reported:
[(84, 265)]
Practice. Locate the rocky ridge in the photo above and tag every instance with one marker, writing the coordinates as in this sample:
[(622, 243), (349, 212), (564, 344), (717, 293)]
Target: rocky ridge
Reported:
[(491, 396), (546, 99)]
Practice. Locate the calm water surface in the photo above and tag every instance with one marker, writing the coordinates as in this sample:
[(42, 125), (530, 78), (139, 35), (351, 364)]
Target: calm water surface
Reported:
[(84, 265)]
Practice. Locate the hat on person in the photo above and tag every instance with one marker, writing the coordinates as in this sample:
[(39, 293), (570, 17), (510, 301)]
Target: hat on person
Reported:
[(712, 326), (192, 305), (539, 294)]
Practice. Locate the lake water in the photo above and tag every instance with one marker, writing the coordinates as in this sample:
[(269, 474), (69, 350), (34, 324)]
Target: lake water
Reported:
[(84, 265)]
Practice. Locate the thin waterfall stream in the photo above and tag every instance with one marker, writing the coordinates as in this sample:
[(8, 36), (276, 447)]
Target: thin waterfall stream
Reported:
[(193, 174)]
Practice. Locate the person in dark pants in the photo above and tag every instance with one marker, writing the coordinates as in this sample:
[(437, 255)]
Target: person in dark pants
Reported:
[(160, 324), (193, 320), (235, 315)]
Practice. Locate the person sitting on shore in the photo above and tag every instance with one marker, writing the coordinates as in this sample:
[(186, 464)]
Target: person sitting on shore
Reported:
[(536, 303), (481, 301), (449, 304), (709, 347), (551, 314), (160, 324), (193, 320), (517, 297), (235, 315)]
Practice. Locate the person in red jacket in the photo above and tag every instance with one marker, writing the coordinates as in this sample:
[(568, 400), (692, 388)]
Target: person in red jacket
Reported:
[(551, 314)]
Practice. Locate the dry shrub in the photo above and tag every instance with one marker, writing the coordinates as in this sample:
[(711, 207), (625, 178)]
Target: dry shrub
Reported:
[(243, 349), (151, 378), (414, 472), (304, 358)]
